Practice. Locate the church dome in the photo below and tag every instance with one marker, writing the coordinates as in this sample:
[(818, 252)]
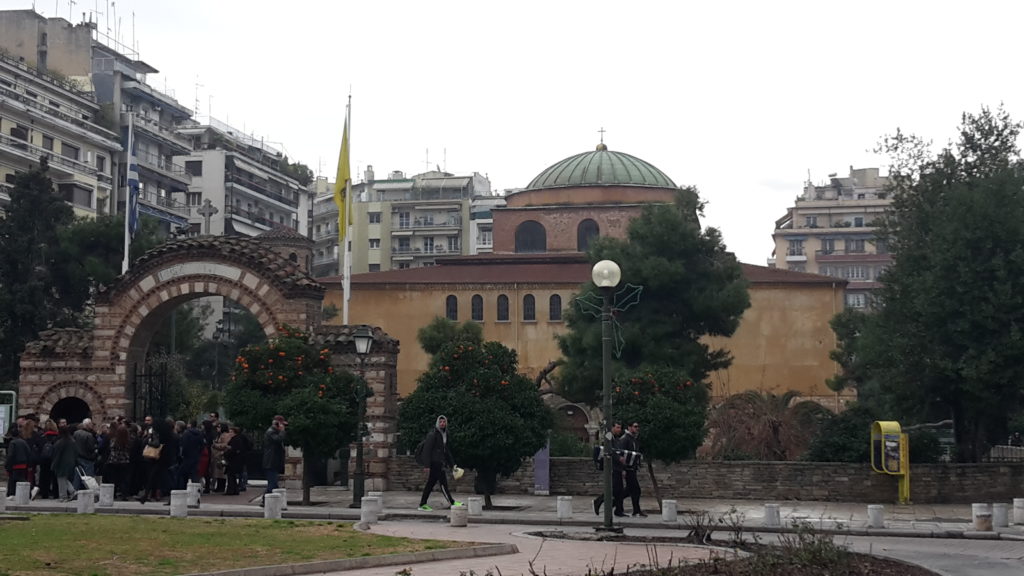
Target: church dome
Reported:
[(602, 167)]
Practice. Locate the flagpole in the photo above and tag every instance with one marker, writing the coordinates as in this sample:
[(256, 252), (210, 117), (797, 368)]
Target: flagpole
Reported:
[(127, 195), (347, 265)]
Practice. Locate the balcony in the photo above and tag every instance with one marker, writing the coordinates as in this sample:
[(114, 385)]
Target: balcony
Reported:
[(178, 144), (259, 218), (32, 153), (257, 189), (420, 251), (850, 255), (426, 223), (164, 207), (796, 255), (163, 167)]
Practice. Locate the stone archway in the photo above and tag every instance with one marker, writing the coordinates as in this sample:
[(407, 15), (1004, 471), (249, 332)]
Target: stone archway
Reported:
[(273, 288), (73, 400)]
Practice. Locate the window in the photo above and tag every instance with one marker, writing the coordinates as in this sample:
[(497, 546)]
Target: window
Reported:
[(555, 308), (855, 273), (797, 268), (502, 308), (811, 221), (101, 164), (193, 198), (194, 167), (529, 308), (47, 142), (404, 245), (374, 268), (69, 151), (453, 244), (828, 245), (531, 237), (858, 221), (403, 265), (485, 238), (796, 248), (881, 246), (374, 243), (856, 301), (374, 217), (477, 308), (585, 233), (403, 219), (451, 308), (854, 246)]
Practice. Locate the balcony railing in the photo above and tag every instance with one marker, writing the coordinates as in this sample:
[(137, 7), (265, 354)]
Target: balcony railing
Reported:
[(258, 188), (32, 153), (858, 252), (154, 127), (260, 218), (795, 252), (158, 162), (165, 203), (420, 223)]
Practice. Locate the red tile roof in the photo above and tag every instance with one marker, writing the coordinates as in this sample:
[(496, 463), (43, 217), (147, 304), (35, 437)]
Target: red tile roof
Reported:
[(558, 269)]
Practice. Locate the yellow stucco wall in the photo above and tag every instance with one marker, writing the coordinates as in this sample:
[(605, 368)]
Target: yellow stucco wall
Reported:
[(782, 343)]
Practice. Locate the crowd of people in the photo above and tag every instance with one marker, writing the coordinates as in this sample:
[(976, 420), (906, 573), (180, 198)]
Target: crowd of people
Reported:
[(143, 460)]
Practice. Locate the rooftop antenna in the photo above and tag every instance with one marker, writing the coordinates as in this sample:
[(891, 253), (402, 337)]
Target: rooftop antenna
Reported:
[(71, 8), (445, 160), (426, 162), (197, 95)]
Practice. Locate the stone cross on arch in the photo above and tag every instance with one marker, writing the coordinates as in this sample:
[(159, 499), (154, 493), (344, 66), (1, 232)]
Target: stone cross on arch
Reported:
[(206, 211)]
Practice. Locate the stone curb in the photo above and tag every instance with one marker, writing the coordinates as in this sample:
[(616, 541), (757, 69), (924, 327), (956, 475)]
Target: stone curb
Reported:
[(369, 561)]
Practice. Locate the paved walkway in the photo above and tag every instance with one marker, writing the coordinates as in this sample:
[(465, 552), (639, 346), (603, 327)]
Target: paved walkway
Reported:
[(940, 531)]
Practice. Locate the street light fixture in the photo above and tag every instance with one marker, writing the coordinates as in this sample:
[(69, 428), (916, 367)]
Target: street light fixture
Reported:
[(606, 275), (363, 339)]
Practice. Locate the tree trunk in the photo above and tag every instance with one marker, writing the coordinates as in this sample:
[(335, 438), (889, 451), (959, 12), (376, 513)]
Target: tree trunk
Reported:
[(485, 484), (305, 485), (654, 483)]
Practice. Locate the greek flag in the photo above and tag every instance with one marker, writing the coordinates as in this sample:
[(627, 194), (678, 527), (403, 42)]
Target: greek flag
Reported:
[(133, 194)]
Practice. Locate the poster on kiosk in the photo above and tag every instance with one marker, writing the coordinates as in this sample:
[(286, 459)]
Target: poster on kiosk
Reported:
[(890, 454)]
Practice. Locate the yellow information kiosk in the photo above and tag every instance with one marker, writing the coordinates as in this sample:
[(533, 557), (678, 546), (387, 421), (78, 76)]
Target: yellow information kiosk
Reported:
[(890, 454)]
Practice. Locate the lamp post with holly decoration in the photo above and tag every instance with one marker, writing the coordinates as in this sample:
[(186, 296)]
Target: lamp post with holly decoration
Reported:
[(606, 275), (363, 339)]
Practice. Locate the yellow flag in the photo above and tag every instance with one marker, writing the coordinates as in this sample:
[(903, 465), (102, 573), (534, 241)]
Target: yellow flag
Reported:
[(341, 187)]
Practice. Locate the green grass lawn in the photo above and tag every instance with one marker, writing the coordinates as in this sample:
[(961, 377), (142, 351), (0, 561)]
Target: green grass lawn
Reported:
[(83, 545)]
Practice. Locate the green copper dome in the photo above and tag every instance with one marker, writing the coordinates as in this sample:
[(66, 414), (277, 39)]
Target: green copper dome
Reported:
[(602, 167)]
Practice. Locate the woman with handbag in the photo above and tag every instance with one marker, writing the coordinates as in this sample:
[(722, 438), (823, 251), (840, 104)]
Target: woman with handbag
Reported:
[(152, 453)]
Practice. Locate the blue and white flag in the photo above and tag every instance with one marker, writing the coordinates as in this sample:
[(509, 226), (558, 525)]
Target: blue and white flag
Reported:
[(133, 194)]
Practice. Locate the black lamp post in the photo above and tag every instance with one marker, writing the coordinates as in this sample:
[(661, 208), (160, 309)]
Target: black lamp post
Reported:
[(606, 275), (363, 339)]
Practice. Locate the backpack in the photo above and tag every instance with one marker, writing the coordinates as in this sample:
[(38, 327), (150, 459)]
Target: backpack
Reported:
[(421, 456)]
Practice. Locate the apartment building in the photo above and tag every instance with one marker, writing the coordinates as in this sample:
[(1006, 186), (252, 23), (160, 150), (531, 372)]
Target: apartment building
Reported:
[(247, 182), (113, 77), (831, 231), (44, 116), (403, 222)]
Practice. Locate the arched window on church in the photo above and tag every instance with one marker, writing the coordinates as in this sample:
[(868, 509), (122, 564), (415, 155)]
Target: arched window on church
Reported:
[(502, 308), (529, 308), (555, 308), (585, 234), (293, 257), (477, 308), (531, 237), (451, 308)]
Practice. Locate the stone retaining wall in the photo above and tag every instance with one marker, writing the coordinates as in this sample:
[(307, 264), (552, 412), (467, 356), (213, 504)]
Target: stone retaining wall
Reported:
[(839, 482)]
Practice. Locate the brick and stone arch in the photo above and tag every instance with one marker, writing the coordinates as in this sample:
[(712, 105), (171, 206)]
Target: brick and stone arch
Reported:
[(70, 390), (127, 314)]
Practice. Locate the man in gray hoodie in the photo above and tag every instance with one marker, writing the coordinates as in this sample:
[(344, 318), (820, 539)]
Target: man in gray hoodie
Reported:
[(435, 447)]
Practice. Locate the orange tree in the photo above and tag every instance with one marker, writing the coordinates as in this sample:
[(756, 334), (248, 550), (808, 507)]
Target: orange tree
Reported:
[(290, 377), (670, 409), (496, 418)]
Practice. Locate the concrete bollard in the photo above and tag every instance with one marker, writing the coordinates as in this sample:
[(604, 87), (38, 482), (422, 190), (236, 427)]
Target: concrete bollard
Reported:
[(771, 516), (85, 501), (284, 497), (564, 507), (3, 500), (458, 516), (272, 506), (368, 509), (22, 494), (1018, 511), (194, 490), (106, 495), (981, 515), (179, 503), (380, 501), (1000, 515), (876, 516), (669, 511), (476, 506)]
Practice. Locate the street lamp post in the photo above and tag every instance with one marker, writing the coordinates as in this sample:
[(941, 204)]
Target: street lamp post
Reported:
[(606, 275), (363, 339)]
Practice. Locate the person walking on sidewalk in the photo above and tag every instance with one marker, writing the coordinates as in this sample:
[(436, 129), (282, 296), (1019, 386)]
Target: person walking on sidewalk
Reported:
[(630, 458), (617, 489), (273, 452), (435, 456)]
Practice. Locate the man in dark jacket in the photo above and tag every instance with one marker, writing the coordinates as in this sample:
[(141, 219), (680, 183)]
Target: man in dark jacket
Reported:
[(630, 446), (617, 489), (85, 442), (435, 448), (19, 460), (273, 451), (191, 450)]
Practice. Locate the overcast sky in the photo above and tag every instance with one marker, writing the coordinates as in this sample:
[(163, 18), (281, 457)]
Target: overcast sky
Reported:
[(740, 99)]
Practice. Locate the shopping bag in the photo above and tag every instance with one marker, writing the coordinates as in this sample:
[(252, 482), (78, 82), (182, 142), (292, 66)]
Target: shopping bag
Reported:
[(89, 482)]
